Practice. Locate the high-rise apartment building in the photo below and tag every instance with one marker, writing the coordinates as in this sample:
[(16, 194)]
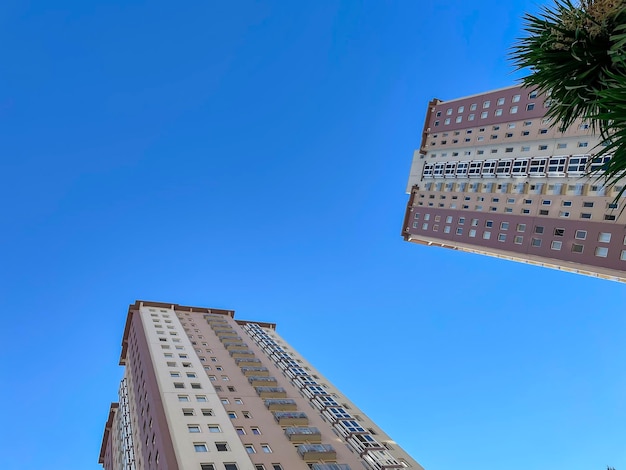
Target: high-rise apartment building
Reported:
[(203, 391), (493, 177)]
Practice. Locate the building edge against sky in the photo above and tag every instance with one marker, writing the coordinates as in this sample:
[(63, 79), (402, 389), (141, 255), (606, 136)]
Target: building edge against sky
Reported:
[(204, 391), (493, 177)]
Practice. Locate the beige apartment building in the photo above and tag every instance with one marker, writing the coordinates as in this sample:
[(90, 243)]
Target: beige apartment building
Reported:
[(204, 391), (493, 177)]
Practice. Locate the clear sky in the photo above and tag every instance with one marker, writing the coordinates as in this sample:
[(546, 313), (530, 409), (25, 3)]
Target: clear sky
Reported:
[(254, 156)]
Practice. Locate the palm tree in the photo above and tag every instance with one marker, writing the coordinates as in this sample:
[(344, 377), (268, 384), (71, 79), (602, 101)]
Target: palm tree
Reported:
[(576, 53)]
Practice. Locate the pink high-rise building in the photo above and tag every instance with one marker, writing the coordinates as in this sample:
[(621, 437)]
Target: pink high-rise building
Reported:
[(203, 391), (493, 177)]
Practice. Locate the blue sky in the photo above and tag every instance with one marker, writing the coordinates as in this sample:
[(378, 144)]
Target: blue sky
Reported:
[(254, 156)]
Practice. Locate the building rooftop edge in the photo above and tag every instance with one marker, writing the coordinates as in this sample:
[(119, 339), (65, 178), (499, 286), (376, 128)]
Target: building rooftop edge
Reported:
[(481, 93), (107, 430)]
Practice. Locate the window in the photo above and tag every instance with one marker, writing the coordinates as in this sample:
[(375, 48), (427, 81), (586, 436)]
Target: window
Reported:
[(580, 234), (556, 245), (207, 412), (193, 428), (564, 214), (622, 255), (214, 428), (256, 431), (538, 229), (448, 111), (207, 466), (232, 415), (502, 237), (486, 104), (446, 122), (191, 375), (585, 215), (200, 447), (230, 466), (536, 242), (486, 235), (221, 446), (179, 385), (266, 448), (259, 467), (183, 397), (224, 401), (609, 217), (276, 466), (559, 232), (498, 112), (194, 385), (250, 449), (238, 401), (532, 95), (201, 398), (489, 223), (513, 110), (188, 412), (521, 227), (483, 115), (577, 248), (240, 431), (604, 237), (459, 231), (246, 414), (504, 226), (472, 233), (518, 240), (601, 252), (530, 106)]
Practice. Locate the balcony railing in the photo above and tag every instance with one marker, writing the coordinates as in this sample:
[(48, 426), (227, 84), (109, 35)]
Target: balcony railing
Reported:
[(241, 353), (276, 404), (301, 434), (259, 371), (290, 417), (236, 345), (259, 380), (271, 392), (331, 466), (317, 452)]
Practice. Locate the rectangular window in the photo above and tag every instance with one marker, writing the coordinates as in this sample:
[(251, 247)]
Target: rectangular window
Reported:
[(576, 248), (502, 237), (266, 448), (183, 397), (504, 226), (250, 449), (207, 466), (601, 252), (222, 446), (536, 242), (581, 234), (609, 217), (201, 398), (585, 215), (193, 428), (604, 237), (200, 447), (486, 235), (214, 428), (518, 240), (188, 412), (556, 245), (472, 233), (207, 412)]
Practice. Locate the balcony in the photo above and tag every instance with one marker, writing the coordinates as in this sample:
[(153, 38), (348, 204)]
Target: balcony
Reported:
[(271, 392), (247, 361), (229, 337), (237, 345), (258, 371), (240, 353), (276, 404), (317, 452), (323, 401), (380, 460), (301, 434), (363, 443), (259, 380), (331, 466), (221, 331), (291, 418)]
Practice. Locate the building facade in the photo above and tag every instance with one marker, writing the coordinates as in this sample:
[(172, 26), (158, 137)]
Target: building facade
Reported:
[(493, 177), (203, 391)]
